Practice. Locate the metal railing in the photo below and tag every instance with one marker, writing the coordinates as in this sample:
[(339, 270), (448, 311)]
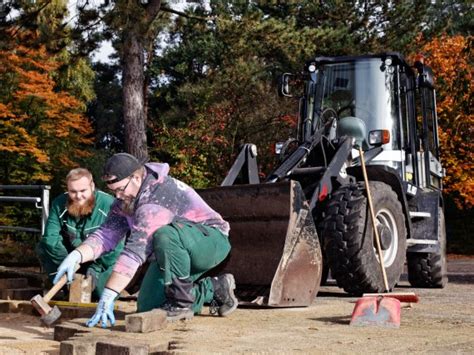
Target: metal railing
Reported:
[(41, 202)]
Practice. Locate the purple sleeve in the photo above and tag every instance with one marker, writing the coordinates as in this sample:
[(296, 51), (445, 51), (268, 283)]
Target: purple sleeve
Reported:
[(147, 219), (110, 232)]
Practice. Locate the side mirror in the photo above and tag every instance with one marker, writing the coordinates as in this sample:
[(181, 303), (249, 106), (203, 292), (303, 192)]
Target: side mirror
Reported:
[(284, 85)]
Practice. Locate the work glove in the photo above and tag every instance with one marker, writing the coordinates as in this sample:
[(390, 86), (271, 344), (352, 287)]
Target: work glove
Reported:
[(69, 265), (105, 309)]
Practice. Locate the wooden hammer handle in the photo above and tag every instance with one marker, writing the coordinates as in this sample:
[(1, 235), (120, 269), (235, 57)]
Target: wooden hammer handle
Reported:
[(59, 285)]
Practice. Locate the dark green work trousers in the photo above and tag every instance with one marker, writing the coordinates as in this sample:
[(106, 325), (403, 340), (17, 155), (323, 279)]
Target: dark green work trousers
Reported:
[(184, 252)]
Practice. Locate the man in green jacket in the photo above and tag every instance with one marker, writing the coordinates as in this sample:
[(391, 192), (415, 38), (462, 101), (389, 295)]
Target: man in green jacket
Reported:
[(73, 216)]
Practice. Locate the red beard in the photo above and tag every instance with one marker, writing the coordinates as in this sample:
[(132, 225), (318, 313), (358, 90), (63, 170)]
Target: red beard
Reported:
[(77, 210)]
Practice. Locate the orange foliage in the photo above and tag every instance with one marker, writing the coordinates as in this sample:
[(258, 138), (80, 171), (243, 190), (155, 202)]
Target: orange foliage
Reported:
[(41, 128), (451, 60)]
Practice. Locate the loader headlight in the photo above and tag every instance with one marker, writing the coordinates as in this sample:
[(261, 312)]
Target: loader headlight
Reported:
[(379, 137), (279, 147), (253, 150)]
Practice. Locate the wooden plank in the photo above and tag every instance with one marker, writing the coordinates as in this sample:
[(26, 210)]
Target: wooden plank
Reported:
[(80, 289)]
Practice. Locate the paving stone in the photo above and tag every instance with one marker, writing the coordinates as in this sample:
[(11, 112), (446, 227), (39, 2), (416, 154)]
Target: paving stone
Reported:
[(76, 312), (4, 307), (65, 331), (130, 346), (20, 293), (13, 283), (160, 347), (25, 308), (35, 279), (12, 306), (71, 312), (79, 346), (145, 322), (121, 347)]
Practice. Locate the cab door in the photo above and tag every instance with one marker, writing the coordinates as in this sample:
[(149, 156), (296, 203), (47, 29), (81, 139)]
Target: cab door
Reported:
[(430, 141)]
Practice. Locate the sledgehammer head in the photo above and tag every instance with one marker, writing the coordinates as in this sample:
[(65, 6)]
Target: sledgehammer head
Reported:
[(48, 315), (51, 317)]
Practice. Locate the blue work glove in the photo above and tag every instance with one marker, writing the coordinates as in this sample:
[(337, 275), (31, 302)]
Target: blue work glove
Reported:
[(69, 265), (105, 309)]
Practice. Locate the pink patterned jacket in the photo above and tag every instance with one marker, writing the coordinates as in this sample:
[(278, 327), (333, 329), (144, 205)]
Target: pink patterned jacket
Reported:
[(160, 201)]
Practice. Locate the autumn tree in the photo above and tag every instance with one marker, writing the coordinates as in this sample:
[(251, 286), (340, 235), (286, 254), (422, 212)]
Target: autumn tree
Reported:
[(43, 130), (451, 58)]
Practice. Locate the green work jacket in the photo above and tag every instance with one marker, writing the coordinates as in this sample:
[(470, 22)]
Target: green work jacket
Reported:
[(63, 232)]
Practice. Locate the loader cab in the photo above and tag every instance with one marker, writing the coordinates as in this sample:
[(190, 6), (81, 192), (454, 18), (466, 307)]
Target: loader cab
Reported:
[(360, 92), (366, 95)]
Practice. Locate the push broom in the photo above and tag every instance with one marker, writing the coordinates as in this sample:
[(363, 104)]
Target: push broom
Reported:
[(379, 309)]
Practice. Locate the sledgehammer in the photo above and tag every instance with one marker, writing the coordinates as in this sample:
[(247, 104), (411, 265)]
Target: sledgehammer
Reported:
[(49, 315)]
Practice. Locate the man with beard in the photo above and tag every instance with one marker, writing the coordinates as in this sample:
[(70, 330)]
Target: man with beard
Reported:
[(170, 225), (73, 216)]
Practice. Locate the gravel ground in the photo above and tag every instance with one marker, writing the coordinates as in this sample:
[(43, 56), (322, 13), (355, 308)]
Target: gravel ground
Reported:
[(443, 322)]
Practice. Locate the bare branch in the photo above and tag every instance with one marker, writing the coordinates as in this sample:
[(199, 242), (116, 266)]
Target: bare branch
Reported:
[(180, 13)]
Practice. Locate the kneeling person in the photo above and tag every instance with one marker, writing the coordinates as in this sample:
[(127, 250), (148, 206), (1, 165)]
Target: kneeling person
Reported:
[(172, 226), (72, 217)]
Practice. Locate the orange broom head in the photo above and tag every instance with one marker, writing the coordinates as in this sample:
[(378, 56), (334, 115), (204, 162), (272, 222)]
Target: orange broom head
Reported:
[(376, 311), (408, 297)]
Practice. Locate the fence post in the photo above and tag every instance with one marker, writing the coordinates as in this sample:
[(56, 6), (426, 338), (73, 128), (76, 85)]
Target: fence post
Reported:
[(44, 208)]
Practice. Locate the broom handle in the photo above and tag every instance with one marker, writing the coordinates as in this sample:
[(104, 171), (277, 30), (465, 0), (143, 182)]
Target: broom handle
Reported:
[(372, 215)]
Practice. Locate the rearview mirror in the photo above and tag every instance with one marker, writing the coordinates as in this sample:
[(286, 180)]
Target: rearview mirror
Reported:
[(284, 85)]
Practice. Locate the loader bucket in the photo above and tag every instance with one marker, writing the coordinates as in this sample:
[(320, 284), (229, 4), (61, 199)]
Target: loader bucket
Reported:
[(276, 257)]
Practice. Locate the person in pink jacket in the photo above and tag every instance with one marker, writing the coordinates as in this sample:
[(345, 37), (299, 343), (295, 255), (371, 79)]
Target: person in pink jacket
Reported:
[(170, 225)]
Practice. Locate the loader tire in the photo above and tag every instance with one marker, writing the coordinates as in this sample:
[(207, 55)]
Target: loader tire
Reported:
[(430, 270), (349, 239), (325, 272)]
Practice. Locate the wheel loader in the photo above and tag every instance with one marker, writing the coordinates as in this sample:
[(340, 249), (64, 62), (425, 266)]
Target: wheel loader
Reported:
[(310, 214)]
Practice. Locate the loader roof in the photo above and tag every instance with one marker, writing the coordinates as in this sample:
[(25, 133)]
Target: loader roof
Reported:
[(397, 57)]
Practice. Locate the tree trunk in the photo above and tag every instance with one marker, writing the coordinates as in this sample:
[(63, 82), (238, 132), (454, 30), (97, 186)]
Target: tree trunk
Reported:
[(133, 96), (133, 80)]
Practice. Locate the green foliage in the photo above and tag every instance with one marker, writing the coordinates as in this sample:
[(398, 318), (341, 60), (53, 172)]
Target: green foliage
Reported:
[(217, 78), (76, 76), (451, 17), (105, 111), (223, 92)]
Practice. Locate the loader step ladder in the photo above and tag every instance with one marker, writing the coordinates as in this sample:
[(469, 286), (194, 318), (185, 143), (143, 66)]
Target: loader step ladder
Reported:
[(414, 215), (421, 241)]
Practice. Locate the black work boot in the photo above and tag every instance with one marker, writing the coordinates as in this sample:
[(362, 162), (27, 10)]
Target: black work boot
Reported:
[(174, 312), (224, 301), (179, 300)]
